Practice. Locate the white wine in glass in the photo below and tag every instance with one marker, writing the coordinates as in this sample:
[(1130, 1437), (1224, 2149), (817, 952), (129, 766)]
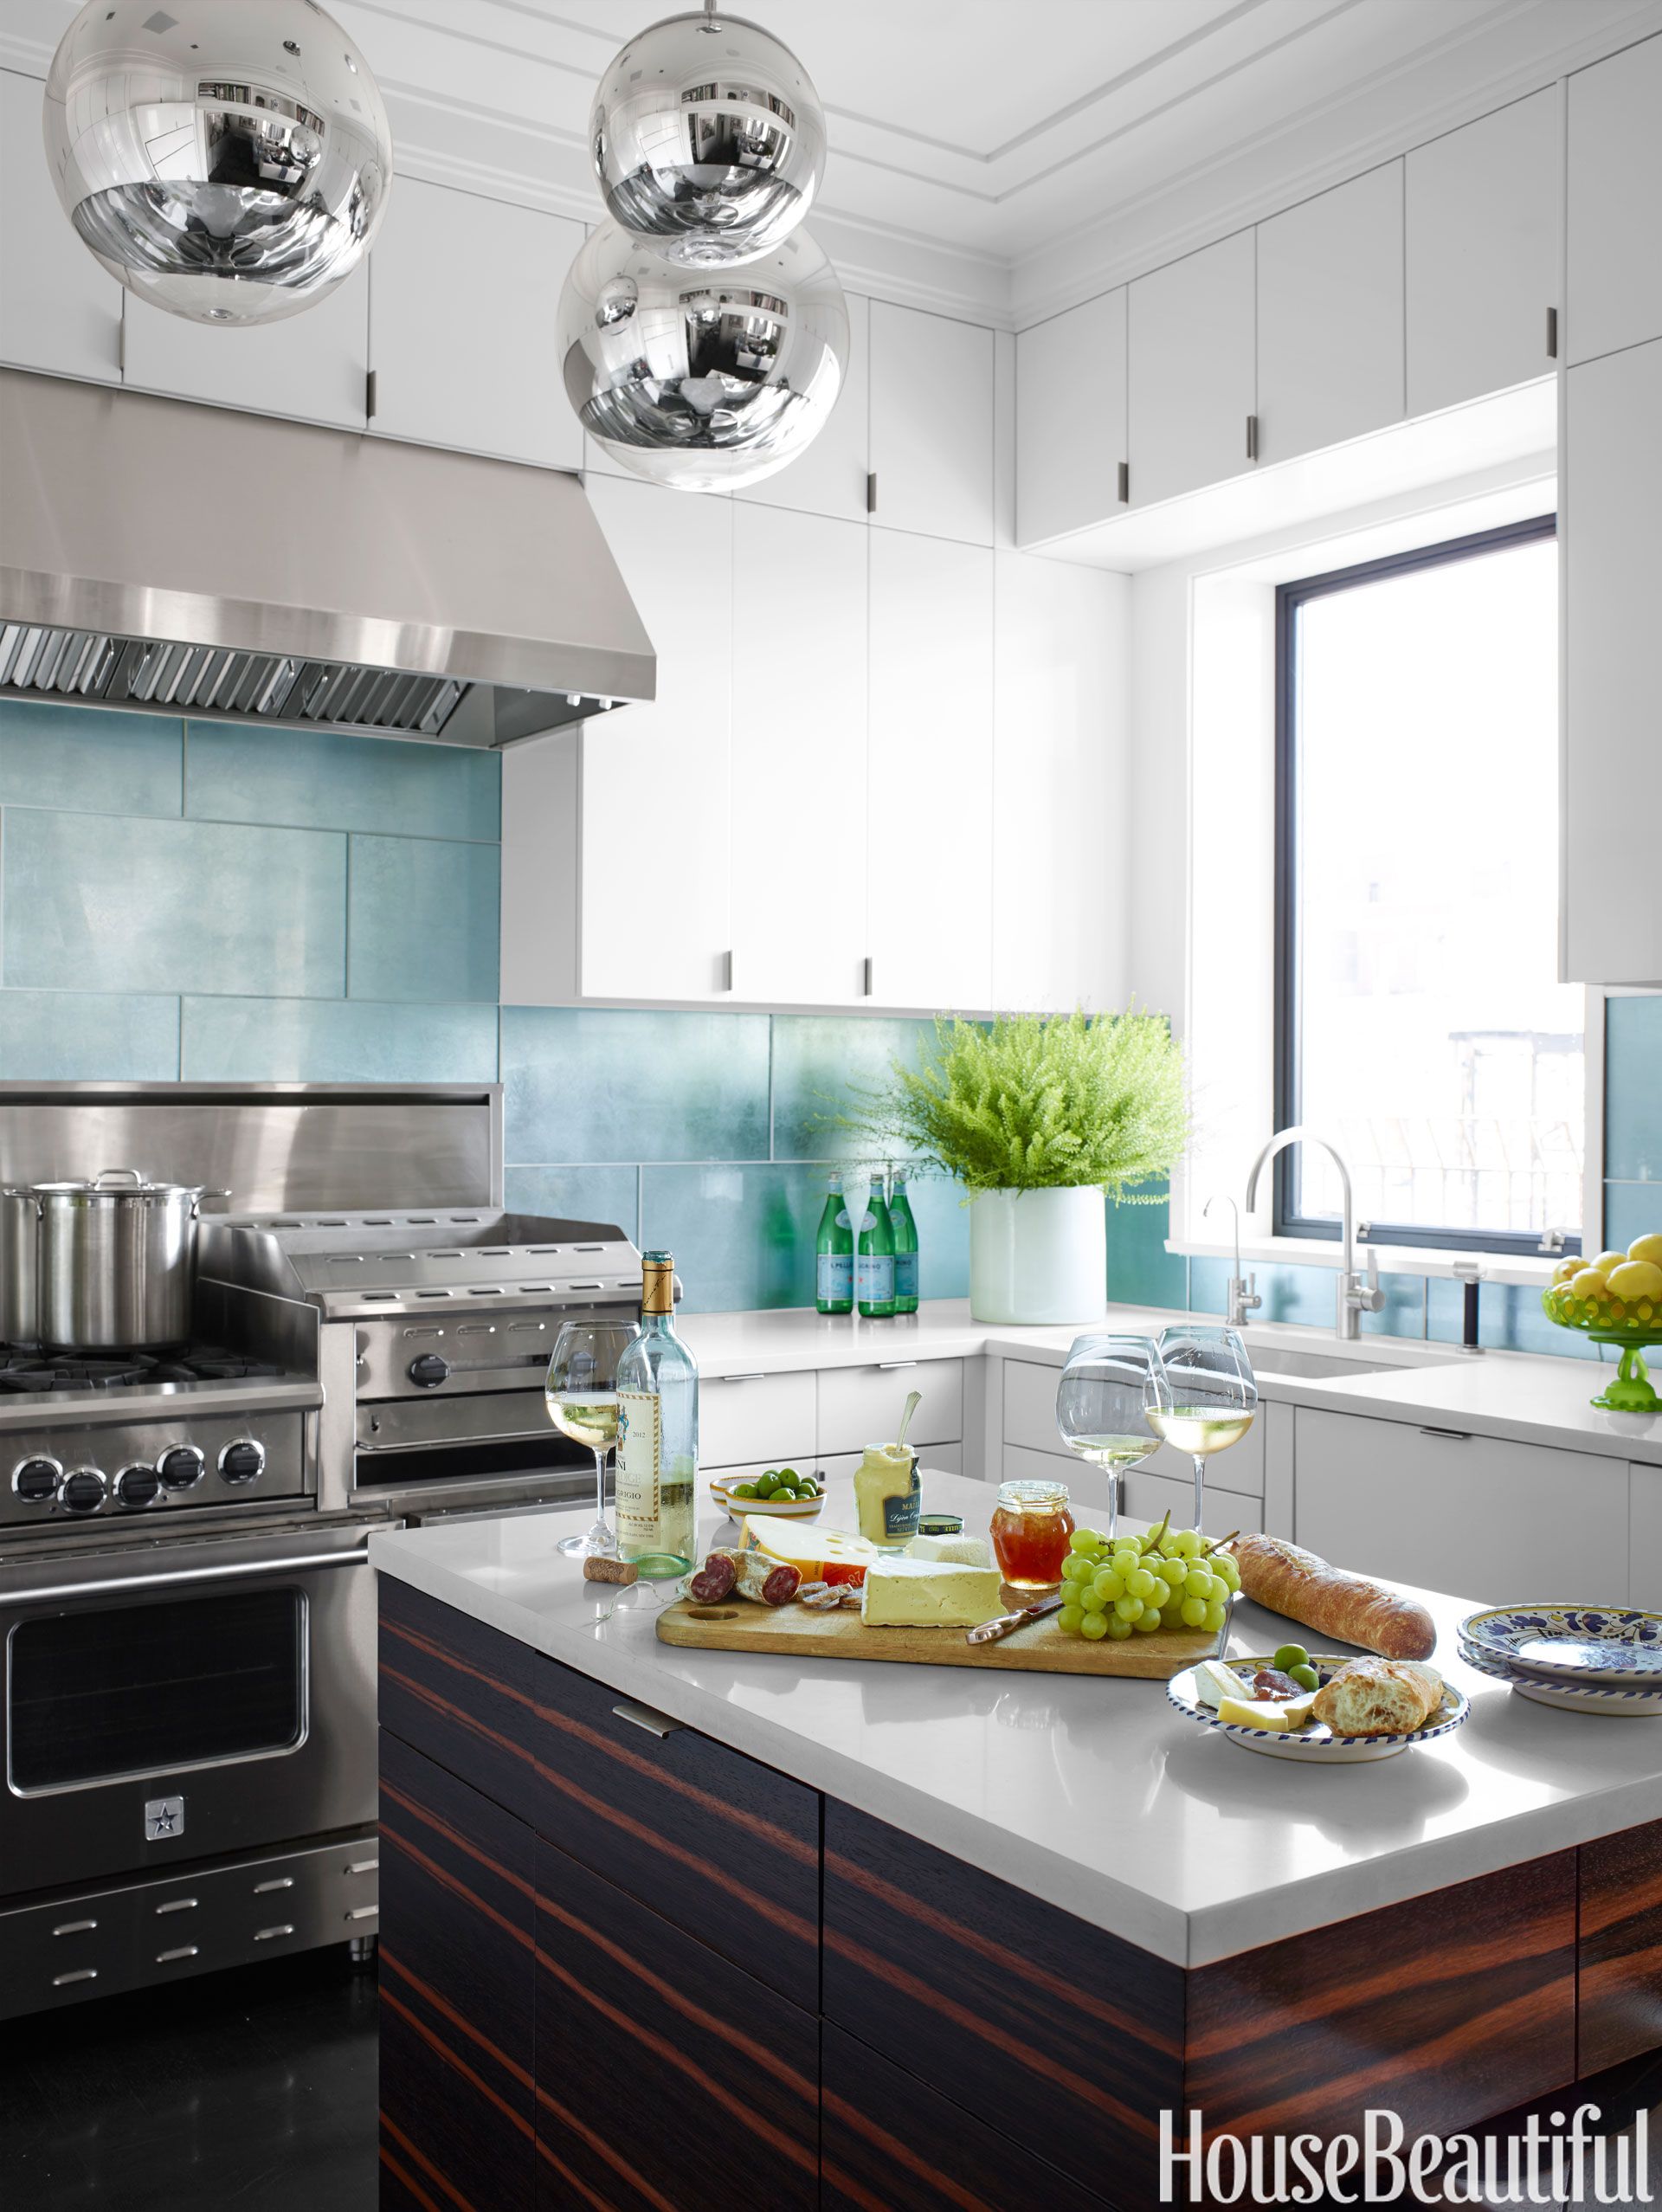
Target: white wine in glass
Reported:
[(1100, 1396), (580, 1392), (1201, 1395), (586, 1416), (1198, 1429)]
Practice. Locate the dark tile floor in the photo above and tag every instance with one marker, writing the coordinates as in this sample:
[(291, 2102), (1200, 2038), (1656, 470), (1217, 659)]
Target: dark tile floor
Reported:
[(250, 2091)]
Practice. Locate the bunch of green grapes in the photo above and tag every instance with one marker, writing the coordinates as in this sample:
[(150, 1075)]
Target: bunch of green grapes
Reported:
[(1170, 1578)]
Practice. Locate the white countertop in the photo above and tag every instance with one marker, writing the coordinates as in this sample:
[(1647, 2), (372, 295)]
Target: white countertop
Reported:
[(1511, 1395), (1095, 1794)]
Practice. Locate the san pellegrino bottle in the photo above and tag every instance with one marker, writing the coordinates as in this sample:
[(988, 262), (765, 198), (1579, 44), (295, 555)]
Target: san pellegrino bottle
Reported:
[(905, 1232), (657, 1433), (875, 1262), (834, 1285)]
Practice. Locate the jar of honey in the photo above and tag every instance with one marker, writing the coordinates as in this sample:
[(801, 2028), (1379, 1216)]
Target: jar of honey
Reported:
[(1031, 1526)]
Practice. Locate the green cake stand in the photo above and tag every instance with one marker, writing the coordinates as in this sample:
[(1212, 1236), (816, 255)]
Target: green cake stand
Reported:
[(1629, 1389)]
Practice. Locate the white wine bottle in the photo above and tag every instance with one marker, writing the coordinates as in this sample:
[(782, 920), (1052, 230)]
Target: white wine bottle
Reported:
[(657, 1433)]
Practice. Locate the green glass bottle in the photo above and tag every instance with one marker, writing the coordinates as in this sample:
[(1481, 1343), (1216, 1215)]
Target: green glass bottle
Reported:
[(874, 1263), (905, 1232), (834, 1284), (657, 1433)]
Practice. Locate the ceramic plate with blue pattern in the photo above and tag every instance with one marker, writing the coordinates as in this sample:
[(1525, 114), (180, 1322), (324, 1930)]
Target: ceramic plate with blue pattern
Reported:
[(1571, 1643), (1569, 1697), (1316, 1742)]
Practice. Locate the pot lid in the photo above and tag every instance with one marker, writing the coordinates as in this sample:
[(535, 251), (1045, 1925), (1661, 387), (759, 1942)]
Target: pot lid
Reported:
[(114, 1185)]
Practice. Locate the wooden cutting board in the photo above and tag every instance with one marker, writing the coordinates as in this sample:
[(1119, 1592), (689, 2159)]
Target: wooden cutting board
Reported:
[(1039, 1648)]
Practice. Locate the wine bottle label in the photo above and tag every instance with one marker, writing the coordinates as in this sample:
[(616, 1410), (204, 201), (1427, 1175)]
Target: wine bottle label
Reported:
[(875, 1277), (639, 1459), (905, 1274), (836, 1275)]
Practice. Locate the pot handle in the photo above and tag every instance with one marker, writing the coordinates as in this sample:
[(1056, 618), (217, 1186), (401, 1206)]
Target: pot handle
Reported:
[(109, 1175), (196, 1210)]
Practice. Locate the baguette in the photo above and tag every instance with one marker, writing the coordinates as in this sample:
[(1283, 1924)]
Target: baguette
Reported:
[(1289, 1580)]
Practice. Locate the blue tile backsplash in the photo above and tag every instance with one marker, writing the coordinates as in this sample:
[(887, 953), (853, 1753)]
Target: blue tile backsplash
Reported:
[(198, 901)]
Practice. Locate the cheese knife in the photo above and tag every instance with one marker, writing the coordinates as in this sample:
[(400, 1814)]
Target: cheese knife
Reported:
[(990, 1632)]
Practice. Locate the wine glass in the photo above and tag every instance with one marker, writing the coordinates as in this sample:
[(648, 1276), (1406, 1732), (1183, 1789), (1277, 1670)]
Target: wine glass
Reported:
[(581, 1392), (1100, 1405), (1201, 1395)]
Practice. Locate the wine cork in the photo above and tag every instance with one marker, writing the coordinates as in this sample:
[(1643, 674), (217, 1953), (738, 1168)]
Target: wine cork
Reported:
[(595, 1569)]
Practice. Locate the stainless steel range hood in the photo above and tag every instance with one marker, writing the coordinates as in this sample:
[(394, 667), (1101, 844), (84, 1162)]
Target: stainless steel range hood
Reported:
[(184, 559)]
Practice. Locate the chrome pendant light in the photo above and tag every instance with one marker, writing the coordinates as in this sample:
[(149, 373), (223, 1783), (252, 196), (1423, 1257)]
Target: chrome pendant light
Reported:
[(702, 381), (708, 139), (228, 160)]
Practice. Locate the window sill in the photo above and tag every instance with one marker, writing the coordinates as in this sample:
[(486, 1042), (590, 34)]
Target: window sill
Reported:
[(1393, 1259)]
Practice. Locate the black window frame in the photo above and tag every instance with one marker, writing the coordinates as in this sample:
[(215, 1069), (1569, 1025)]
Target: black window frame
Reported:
[(1289, 599)]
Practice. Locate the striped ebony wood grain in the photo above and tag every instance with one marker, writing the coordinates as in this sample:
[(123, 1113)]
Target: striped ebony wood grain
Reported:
[(714, 1841), (459, 1692), (668, 2080), (458, 1993), (1447, 2008), (888, 2145), (1057, 2035), (1619, 1948)]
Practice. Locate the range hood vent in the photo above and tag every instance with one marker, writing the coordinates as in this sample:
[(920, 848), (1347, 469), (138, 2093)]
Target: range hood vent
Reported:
[(352, 583)]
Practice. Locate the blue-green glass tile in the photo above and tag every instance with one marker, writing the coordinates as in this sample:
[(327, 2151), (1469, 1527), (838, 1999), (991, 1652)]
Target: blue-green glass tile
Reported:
[(93, 903), (321, 779), (742, 1235), (424, 919), (943, 1222), (90, 759), (816, 1059), (1510, 1318), (1297, 1293), (1141, 1272), (92, 1036), (596, 1083), (335, 1041), (1633, 1090), (578, 1194), (1403, 1313), (1631, 1209)]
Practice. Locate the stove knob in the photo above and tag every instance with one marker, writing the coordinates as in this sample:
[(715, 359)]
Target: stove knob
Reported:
[(243, 1461), (83, 1490), (138, 1486), (429, 1370), (181, 1466), (36, 1482)]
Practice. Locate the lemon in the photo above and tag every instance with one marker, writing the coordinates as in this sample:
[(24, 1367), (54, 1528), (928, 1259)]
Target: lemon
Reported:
[(1647, 1248), (1636, 1278), (1607, 1260), (1590, 1285), (1568, 1269)]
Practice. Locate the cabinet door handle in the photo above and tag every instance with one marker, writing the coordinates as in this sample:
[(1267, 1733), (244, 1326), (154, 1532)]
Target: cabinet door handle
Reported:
[(865, 977), (758, 1378), (1125, 487), (642, 1716), (871, 493), (888, 1366), (1454, 1435), (1252, 437), (1552, 334)]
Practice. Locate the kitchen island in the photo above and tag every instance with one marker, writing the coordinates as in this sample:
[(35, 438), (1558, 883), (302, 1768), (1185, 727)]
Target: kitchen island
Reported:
[(676, 1928)]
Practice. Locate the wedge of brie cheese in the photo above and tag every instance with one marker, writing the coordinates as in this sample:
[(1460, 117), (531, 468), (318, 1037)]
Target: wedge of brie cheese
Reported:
[(951, 1550), (1215, 1681), (929, 1594)]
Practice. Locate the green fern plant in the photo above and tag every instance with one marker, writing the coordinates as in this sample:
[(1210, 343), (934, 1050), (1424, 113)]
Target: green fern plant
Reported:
[(1030, 1102)]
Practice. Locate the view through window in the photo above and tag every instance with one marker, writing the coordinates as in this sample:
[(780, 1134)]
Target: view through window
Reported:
[(1420, 1022)]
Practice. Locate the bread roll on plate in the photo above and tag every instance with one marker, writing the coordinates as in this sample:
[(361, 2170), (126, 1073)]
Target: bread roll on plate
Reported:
[(1379, 1696), (1292, 1581)]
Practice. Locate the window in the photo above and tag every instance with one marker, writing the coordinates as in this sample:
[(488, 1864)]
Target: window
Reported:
[(1419, 1020)]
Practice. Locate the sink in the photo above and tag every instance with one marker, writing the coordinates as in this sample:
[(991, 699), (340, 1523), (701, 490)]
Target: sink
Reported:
[(1272, 1360)]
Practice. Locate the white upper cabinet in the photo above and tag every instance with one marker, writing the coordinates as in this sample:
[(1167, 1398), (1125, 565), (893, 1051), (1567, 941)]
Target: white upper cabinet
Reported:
[(1615, 202), (655, 910), (1329, 317), (58, 310), (1070, 419), (798, 755), (314, 365), (929, 894), (931, 435), (1192, 374), (830, 477), (463, 297), (1058, 782), (1482, 229), (1612, 554)]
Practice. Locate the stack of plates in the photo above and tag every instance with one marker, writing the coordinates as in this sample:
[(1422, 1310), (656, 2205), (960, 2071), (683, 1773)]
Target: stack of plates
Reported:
[(1585, 1658)]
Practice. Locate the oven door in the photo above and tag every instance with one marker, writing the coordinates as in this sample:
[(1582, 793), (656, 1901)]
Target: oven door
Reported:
[(172, 1703)]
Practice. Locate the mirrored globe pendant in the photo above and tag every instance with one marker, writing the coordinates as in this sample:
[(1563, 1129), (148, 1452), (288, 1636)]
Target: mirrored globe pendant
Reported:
[(708, 139), (227, 160), (702, 381)]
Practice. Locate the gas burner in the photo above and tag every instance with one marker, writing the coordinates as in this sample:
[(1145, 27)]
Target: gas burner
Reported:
[(222, 1367), (26, 1373)]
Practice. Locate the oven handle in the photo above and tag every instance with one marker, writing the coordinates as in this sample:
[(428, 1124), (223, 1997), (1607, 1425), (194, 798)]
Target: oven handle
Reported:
[(115, 1584)]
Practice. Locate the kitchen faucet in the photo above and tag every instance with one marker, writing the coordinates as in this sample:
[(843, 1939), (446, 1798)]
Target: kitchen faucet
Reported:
[(1243, 1295), (1355, 1298)]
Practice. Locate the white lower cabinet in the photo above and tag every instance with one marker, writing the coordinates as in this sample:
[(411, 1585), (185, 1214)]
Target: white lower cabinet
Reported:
[(756, 1420), (1150, 1497), (863, 1405), (1644, 1537), (1503, 1522)]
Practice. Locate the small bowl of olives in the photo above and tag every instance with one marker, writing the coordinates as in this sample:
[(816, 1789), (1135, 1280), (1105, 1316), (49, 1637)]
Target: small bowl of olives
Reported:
[(778, 1490)]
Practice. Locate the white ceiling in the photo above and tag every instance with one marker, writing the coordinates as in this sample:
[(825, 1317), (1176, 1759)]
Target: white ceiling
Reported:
[(990, 157)]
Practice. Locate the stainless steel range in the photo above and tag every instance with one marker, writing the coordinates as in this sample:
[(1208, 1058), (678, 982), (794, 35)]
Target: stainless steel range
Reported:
[(187, 1614)]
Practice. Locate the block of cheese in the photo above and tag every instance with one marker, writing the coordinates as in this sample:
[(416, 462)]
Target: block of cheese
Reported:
[(820, 1555), (953, 1550), (1215, 1681), (1281, 1715), (927, 1594)]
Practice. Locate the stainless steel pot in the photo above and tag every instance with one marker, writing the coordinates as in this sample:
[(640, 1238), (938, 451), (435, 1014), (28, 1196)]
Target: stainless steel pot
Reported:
[(116, 1261), (20, 1214)]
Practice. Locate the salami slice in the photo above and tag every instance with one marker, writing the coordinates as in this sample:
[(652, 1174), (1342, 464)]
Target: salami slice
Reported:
[(768, 1581), (715, 1579)]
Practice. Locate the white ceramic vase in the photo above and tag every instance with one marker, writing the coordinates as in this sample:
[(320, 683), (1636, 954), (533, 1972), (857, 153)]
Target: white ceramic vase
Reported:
[(1038, 1255)]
